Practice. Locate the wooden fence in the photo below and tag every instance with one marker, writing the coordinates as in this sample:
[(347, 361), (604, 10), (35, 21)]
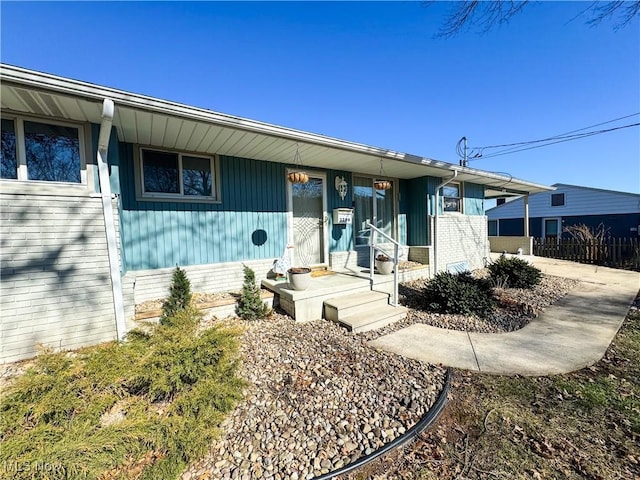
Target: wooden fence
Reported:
[(612, 252)]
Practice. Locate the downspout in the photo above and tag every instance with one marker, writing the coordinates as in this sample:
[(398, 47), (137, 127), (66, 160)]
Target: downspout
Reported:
[(435, 220), (107, 210)]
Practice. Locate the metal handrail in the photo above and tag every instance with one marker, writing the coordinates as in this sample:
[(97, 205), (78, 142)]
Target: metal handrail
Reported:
[(372, 250)]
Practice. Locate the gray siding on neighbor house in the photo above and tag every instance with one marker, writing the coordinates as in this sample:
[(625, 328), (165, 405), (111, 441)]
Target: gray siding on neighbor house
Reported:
[(56, 287)]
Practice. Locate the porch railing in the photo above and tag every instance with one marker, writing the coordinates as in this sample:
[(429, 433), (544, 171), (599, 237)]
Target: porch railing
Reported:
[(373, 247)]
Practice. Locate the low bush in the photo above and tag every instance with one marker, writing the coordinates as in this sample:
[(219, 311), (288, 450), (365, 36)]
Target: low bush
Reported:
[(141, 409), (517, 272), (459, 293)]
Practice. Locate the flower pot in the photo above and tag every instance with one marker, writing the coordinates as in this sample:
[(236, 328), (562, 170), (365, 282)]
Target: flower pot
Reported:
[(298, 177), (299, 277), (384, 267), (382, 185)]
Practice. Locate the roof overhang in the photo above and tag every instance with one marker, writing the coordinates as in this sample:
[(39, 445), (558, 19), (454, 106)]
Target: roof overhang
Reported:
[(145, 120)]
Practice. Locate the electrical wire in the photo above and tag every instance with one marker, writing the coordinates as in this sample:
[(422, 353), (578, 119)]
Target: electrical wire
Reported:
[(560, 135), (557, 139)]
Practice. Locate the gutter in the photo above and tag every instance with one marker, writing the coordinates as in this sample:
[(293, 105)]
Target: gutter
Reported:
[(108, 109), (435, 220)]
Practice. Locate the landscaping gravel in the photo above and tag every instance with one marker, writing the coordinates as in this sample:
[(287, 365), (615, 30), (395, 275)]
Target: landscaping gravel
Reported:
[(317, 399), (517, 307)]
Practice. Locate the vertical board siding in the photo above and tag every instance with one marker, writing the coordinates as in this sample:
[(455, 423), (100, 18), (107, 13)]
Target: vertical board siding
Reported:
[(473, 198), (340, 236), (421, 195), (160, 234)]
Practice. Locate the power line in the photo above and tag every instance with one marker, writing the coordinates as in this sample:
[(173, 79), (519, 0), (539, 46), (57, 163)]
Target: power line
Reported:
[(560, 135), (557, 139)]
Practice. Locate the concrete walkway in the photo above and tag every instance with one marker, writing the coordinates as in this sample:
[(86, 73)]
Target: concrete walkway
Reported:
[(571, 334)]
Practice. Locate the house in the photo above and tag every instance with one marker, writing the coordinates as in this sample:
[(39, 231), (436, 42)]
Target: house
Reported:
[(551, 212), (104, 192)]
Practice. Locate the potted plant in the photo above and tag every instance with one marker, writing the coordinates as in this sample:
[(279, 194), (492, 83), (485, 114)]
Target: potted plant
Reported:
[(299, 277), (384, 264)]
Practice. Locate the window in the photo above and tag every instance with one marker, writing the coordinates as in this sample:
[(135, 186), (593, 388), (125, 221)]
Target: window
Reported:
[(35, 150), (452, 200), (371, 205), (493, 228), (172, 174), (551, 227), (9, 153), (557, 199)]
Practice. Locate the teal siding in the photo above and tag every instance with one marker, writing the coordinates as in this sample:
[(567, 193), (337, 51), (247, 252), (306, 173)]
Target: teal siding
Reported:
[(162, 234), (340, 236), (473, 198), (250, 222), (403, 209), (421, 197), (402, 229)]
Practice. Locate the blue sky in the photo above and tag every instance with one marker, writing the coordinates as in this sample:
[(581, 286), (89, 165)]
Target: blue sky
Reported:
[(366, 72)]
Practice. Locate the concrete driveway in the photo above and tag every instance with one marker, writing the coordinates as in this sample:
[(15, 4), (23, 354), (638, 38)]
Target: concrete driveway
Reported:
[(571, 334)]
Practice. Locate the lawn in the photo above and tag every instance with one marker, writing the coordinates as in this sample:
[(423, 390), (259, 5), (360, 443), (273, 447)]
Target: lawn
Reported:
[(582, 425), (141, 409)]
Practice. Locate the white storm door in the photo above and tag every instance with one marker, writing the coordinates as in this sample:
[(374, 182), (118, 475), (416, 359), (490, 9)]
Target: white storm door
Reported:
[(308, 221)]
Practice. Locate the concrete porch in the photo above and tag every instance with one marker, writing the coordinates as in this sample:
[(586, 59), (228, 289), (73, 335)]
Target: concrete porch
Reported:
[(327, 295)]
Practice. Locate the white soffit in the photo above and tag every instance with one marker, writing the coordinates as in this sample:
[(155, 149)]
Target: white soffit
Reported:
[(149, 121)]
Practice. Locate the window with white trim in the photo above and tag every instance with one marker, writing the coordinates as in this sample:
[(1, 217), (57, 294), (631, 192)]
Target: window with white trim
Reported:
[(174, 174), (452, 197), (39, 150)]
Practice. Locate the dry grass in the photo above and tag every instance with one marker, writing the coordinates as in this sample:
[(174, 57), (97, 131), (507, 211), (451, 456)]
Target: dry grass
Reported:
[(583, 425)]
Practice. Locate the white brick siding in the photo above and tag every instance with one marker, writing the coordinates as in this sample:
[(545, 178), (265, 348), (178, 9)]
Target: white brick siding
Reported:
[(54, 268), (217, 277), (462, 238)]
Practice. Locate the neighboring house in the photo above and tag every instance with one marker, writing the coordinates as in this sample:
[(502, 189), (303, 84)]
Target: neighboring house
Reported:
[(104, 192), (551, 212)]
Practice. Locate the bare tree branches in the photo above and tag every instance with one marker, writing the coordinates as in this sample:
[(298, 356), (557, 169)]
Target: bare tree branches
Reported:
[(622, 11), (485, 15)]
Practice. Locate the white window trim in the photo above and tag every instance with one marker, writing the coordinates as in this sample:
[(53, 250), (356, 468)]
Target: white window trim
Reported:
[(21, 156), (141, 195), (460, 197)]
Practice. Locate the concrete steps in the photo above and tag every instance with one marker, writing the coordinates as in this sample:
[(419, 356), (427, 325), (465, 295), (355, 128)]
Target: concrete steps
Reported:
[(361, 312)]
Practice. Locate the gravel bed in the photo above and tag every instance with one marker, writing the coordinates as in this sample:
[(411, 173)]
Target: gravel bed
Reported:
[(197, 298), (318, 398), (518, 307)]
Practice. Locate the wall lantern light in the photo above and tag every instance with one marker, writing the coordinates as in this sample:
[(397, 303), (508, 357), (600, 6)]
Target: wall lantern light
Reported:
[(341, 186)]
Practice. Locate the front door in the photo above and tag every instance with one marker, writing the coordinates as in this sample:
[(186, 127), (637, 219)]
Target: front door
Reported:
[(308, 221)]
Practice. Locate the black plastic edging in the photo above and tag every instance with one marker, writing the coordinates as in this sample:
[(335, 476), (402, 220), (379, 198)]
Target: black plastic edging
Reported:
[(424, 423)]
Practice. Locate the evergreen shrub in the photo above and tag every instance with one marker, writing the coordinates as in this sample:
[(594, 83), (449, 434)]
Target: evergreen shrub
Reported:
[(250, 304), (517, 272), (179, 295), (459, 293)]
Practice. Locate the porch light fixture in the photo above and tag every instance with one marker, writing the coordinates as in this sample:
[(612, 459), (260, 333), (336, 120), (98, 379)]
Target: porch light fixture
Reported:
[(298, 176), (381, 184), (341, 186)]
